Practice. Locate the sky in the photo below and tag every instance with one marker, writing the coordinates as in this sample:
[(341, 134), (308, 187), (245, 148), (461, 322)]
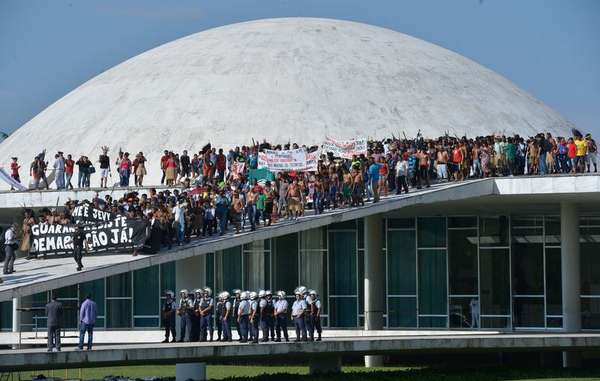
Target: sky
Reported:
[(549, 48)]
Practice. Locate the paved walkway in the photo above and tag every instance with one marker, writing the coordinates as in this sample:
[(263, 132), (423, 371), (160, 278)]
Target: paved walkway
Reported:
[(330, 348)]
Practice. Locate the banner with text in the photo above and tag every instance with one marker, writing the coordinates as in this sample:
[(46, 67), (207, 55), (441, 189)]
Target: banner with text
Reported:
[(86, 213), (120, 233), (345, 149), (283, 161)]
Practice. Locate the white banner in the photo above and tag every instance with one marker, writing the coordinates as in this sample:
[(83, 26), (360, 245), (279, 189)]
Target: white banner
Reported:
[(10, 181), (282, 161), (312, 161), (345, 149)]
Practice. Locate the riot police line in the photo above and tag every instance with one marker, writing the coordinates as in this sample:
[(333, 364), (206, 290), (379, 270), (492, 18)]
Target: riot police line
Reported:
[(249, 312)]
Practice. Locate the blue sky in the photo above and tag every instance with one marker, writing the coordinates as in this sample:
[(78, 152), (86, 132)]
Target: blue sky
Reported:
[(550, 48)]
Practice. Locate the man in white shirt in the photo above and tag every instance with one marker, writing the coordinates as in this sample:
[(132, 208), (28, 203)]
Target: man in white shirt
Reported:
[(298, 309), (10, 245)]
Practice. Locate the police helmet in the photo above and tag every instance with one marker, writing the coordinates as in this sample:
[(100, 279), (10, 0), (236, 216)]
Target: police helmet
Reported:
[(261, 293), (183, 292), (224, 295), (198, 291), (312, 293), (237, 291), (253, 295), (244, 295), (281, 294), (169, 294), (268, 293), (300, 289), (208, 291)]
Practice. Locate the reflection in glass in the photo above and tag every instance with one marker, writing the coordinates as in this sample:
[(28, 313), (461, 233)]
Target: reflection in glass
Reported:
[(493, 231), (495, 281), (528, 312), (464, 312), (462, 261)]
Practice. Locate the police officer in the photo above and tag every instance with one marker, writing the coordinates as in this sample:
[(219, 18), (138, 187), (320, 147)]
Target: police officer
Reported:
[(168, 315), (226, 315), (218, 315), (281, 317), (206, 314), (254, 317), (195, 316), (182, 311), (237, 293), (243, 316), (307, 318), (267, 311), (315, 315), (298, 310), (262, 302)]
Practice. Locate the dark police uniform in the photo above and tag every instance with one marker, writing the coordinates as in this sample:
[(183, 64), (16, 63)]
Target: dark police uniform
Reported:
[(267, 322), (168, 318)]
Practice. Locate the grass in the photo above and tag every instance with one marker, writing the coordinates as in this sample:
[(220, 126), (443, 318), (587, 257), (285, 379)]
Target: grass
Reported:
[(350, 373)]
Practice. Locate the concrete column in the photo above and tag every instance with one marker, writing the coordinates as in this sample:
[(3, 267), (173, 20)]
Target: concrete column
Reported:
[(324, 364), (16, 319), (193, 371), (374, 280), (570, 272), (190, 273)]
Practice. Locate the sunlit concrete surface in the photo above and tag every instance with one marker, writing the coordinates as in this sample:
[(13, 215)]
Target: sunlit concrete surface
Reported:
[(133, 354)]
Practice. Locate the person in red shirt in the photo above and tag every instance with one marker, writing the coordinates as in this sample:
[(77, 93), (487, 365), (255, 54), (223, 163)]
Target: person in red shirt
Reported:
[(163, 166), (69, 166), (221, 165), (572, 154), (457, 158), (14, 170)]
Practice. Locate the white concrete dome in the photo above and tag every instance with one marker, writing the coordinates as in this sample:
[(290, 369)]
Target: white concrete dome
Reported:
[(288, 79)]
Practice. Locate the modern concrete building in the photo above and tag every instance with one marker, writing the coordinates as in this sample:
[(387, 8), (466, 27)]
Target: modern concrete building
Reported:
[(507, 254)]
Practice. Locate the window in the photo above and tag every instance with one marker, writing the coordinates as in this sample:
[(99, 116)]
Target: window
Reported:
[(229, 268), (494, 275), (343, 279), (431, 232), (432, 288), (493, 231), (462, 261), (118, 301), (146, 297), (285, 263)]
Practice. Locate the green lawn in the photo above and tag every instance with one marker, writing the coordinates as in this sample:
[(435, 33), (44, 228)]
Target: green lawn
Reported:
[(351, 373)]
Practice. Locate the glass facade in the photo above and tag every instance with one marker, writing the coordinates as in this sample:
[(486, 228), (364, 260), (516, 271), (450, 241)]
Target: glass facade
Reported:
[(497, 272)]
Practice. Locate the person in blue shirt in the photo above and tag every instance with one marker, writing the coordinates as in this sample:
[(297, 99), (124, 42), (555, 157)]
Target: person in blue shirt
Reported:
[(374, 178)]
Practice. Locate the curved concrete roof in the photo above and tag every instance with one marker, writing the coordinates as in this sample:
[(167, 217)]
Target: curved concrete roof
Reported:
[(289, 79)]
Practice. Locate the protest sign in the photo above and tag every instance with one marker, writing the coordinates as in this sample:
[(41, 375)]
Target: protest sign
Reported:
[(86, 213), (345, 149), (282, 161), (120, 233)]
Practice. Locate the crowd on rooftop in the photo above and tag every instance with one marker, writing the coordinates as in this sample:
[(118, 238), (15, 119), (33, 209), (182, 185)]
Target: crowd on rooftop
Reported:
[(208, 197)]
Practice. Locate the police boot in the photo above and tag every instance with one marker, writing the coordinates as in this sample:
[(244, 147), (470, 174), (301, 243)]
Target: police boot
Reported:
[(319, 337), (211, 336)]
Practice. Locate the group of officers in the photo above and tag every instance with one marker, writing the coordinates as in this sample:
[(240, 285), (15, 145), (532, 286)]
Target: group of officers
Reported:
[(249, 311)]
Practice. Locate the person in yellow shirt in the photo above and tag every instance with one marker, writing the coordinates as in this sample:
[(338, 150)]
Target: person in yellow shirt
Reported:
[(580, 151)]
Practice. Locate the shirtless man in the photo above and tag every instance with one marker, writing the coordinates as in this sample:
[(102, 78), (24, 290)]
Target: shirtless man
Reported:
[(293, 199)]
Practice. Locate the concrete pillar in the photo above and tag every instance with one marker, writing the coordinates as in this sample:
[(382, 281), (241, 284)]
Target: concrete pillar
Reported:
[(16, 319), (324, 364), (190, 371), (570, 272), (190, 273), (374, 280)]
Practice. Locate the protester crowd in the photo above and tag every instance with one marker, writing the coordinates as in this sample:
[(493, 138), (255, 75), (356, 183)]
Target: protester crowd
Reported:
[(213, 192)]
